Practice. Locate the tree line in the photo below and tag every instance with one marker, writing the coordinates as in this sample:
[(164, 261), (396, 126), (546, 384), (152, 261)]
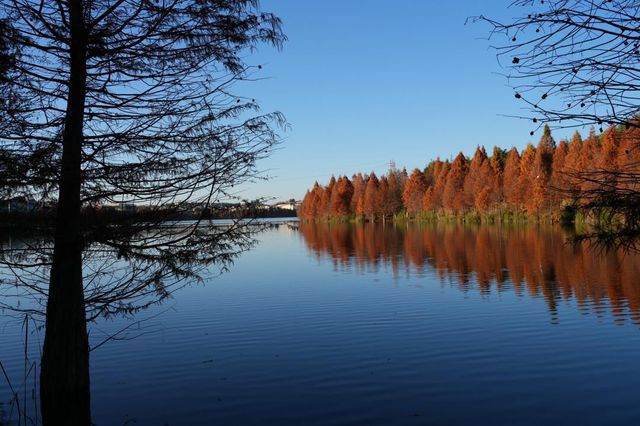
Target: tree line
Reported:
[(544, 182)]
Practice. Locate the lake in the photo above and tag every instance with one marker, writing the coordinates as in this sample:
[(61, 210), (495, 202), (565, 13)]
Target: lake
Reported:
[(369, 324)]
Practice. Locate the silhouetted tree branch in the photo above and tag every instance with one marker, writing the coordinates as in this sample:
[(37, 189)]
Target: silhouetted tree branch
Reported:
[(573, 62), (577, 62), (125, 101)]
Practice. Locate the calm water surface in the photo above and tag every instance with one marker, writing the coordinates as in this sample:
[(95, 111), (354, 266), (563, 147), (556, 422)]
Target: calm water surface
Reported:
[(371, 325)]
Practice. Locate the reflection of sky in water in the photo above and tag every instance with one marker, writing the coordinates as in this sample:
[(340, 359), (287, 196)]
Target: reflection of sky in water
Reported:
[(293, 335)]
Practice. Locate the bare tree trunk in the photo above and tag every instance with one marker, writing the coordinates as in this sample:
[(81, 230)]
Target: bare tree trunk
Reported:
[(64, 376)]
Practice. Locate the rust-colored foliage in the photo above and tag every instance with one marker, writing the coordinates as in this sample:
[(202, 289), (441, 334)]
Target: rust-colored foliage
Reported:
[(357, 200), (525, 182), (572, 164), (540, 181), (487, 188), (609, 153), (310, 208), (453, 199), (491, 196), (629, 153), (392, 203), (511, 178), (432, 199), (559, 182), (413, 192), (473, 180), (371, 198), (382, 194), (541, 174), (590, 153), (324, 208), (341, 197)]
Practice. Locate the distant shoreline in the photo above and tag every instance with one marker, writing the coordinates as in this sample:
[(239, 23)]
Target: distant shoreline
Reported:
[(46, 218)]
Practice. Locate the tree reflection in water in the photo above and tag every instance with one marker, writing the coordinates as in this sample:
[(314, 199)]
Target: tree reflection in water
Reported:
[(121, 276), (528, 260), (119, 281)]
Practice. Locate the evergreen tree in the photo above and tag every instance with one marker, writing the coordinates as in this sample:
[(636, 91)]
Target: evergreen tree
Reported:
[(357, 200), (371, 198), (609, 154), (432, 200), (325, 199), (472, 182), (453, 198), (413, 193), (393, 200), (341, 198), (541, 173), (511, 179)]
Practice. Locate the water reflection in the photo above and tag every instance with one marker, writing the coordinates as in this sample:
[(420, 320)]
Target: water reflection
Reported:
[(291, 340), (120, 272), (533, 261)]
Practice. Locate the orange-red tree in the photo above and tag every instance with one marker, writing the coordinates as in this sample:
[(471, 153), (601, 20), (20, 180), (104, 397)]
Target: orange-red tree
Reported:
[(432, 199), (413, 192), (590, 154), (511, 178), (341, 198), (559, 182), (325, 199), (383, 193), (393, 199), (304, 209), (525, 184), (497, 162), (609, 153), (315, 200), (489, 182), (357, 200), (453, 196), (629, 153), (472, 181), (371, 198), (541, 173), (573, 164)]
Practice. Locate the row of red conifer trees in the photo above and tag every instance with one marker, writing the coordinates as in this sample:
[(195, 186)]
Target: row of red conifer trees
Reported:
[(539, 181)]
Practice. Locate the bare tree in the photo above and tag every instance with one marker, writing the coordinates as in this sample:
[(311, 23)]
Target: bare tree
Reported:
[(573, 62), (8, 94), (6, 53), (127, 100)]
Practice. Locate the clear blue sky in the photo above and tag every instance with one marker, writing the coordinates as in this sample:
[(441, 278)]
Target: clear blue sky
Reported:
[(366, 82)]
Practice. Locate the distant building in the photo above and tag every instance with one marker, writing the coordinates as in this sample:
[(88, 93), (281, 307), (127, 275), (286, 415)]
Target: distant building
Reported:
[(288, 205)]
